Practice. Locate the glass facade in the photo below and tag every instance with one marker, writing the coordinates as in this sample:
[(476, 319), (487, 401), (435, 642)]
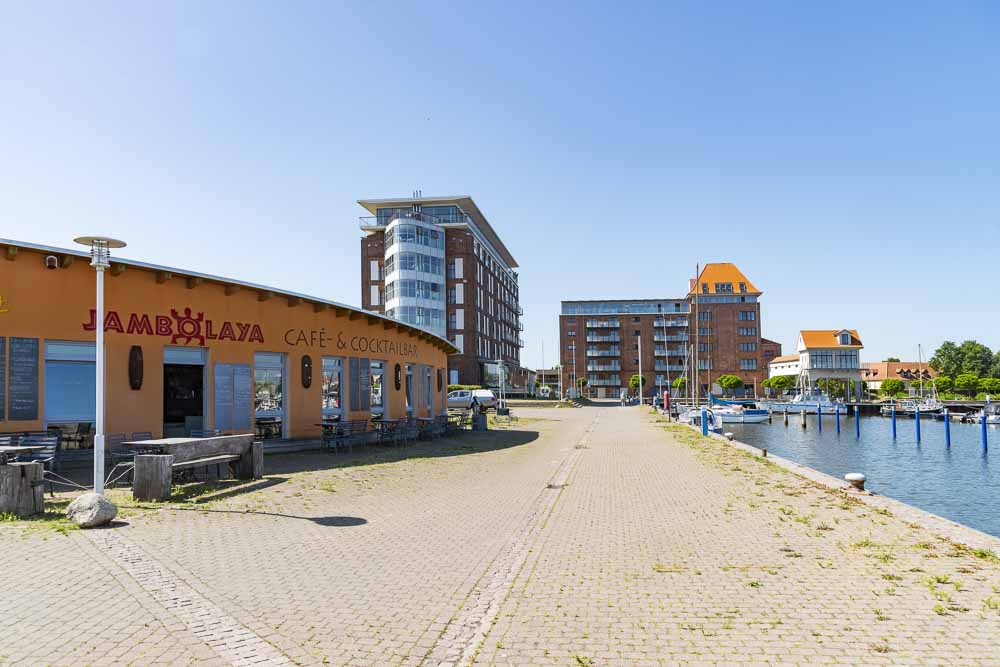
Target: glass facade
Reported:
[(417, 289), (418, 234), (623, 307), (428, 318), (333, 380)]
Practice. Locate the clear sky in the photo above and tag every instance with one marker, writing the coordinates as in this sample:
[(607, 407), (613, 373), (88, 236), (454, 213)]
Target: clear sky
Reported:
[(845, 155)]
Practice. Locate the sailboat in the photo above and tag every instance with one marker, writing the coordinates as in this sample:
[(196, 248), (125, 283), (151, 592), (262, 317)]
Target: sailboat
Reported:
[(926, 405)]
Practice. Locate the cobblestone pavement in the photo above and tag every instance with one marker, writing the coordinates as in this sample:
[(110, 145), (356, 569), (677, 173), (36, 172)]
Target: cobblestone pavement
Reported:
[(586, 537)]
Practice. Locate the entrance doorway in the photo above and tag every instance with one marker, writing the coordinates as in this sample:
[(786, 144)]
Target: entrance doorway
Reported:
[(183, 399), (183, 391)]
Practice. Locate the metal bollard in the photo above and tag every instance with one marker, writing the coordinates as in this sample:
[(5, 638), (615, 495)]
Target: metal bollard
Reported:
[(763, 452), (856, 479)]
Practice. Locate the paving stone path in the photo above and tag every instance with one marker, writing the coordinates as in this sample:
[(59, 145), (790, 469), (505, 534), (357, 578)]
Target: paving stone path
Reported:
[(592, 536)]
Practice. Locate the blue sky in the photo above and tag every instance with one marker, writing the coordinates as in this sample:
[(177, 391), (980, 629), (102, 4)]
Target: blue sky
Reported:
[(845, 155)]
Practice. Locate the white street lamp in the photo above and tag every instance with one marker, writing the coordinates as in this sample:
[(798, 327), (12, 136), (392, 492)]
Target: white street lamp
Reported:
[(100, 259)]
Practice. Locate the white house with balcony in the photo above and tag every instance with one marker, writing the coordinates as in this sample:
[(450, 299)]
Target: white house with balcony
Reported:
[(829, 354)]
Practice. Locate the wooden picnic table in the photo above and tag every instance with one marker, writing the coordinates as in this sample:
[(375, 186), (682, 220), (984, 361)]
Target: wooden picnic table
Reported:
[(10, 452)]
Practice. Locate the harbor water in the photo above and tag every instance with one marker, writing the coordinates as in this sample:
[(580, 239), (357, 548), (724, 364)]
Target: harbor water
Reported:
[(960, 482)]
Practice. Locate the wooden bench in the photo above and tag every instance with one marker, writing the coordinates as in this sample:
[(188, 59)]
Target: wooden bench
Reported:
[(153, 473)]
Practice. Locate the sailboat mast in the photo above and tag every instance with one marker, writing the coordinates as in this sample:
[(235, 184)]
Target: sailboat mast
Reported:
[(697, 386)]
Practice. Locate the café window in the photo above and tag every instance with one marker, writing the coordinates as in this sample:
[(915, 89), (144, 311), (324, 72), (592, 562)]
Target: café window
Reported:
[(333, 382), (377, 379), (70, 383), (409, 389), (268, 384)]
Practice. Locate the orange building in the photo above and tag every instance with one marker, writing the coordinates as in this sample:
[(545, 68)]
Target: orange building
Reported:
[(190, 351)]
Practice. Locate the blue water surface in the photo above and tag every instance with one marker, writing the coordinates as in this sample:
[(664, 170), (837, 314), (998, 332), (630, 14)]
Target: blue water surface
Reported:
[(961, 483)]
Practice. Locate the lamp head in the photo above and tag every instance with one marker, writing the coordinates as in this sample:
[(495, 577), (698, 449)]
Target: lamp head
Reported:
[(100, 249)]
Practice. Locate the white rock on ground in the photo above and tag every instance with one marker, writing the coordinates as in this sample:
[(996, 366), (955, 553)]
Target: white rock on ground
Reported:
[(91, 510)]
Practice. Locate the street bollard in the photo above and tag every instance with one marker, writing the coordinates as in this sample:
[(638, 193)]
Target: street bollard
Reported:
[(947, 429)]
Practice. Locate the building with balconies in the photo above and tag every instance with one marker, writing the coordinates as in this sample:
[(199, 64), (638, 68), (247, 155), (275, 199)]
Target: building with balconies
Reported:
[(438, 264)]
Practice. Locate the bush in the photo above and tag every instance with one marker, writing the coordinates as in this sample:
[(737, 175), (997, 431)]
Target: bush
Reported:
[(967, 383), (729, 383), (457, 387), (892, 387)]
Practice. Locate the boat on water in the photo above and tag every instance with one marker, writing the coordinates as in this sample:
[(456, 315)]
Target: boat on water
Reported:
[(909, 407), (991, 410), (809, 401), (715, 400), (693, 416), (739, 414)]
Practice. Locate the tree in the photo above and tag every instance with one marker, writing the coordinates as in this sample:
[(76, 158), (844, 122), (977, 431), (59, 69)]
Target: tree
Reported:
[(784, 382), (892, 387), (976, 358), (891, 359), (635, 381), (947, 359), (680, 383), (943, 383), (989, 385), (967, 383), (995, 367), (729, 382)]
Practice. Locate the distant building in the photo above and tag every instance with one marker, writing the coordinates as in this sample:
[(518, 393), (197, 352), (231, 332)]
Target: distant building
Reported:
[(438, 264), (830, 354), (788, 364), (910, 372), (713, 330), (547, 377)]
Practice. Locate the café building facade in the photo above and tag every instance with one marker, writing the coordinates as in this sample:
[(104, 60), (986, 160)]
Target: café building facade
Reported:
[(187, 351)]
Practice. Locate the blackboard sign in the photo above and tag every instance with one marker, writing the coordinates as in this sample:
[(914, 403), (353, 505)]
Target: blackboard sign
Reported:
[(233, 397), (352, 368), (243, 396), (3, 375), (223, 384), (22, 393)]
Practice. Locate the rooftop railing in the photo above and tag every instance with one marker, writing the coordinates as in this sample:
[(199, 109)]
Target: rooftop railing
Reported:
[(383, 221)]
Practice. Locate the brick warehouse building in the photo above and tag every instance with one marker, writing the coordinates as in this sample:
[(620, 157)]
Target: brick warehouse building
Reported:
[(714, 330), (437, 263)]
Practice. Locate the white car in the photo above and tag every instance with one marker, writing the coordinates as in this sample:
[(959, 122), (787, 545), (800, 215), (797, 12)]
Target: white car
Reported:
[(466, 398)]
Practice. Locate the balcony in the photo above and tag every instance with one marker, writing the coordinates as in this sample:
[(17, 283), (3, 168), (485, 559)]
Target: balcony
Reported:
[(673, 338), (669, 367), (608, 367), (613, 352), (372, 222), (669, 323), (604, 382), (520, 326), (610, 338), (671, 352), (520, 342), (598, 324)]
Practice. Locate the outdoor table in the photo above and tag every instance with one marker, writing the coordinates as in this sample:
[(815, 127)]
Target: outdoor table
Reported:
[(383, 426), (329, 426), (425, 423), (8, 452)]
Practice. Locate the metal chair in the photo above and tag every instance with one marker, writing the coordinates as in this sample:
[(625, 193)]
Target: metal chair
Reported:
[(140, 435), (48, 456), (122, 459)]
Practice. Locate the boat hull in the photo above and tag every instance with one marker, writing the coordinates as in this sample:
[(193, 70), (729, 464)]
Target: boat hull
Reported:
[(806, 407)]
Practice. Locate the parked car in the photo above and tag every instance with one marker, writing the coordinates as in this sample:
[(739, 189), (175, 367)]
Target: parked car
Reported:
[(466, 398)]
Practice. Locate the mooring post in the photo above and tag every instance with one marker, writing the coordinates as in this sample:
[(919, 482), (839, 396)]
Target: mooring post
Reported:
[(857, 421), (983, 422), (802, 414), (947, 429), (819, 417), (893, 420), (786, 416), (916, 418), (837, 413), (704, 421)]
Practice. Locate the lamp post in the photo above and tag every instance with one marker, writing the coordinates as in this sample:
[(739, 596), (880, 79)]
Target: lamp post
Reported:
[(100, 259)]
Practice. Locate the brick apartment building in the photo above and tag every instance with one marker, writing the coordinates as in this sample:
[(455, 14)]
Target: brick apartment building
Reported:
[(437, 263), (712, 331)]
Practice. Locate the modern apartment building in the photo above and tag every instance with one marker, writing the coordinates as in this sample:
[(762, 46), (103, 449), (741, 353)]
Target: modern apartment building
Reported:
[(712, 331), (437, 263)]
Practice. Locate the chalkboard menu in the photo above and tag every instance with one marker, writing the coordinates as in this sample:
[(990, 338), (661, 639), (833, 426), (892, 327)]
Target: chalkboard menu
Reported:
[(243, 399), (223, 395), (233, 397), (353, 370), (22, 392), (3, 375)]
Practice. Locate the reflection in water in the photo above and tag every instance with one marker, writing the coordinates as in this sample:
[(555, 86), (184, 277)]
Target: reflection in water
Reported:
[(956, 483)]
